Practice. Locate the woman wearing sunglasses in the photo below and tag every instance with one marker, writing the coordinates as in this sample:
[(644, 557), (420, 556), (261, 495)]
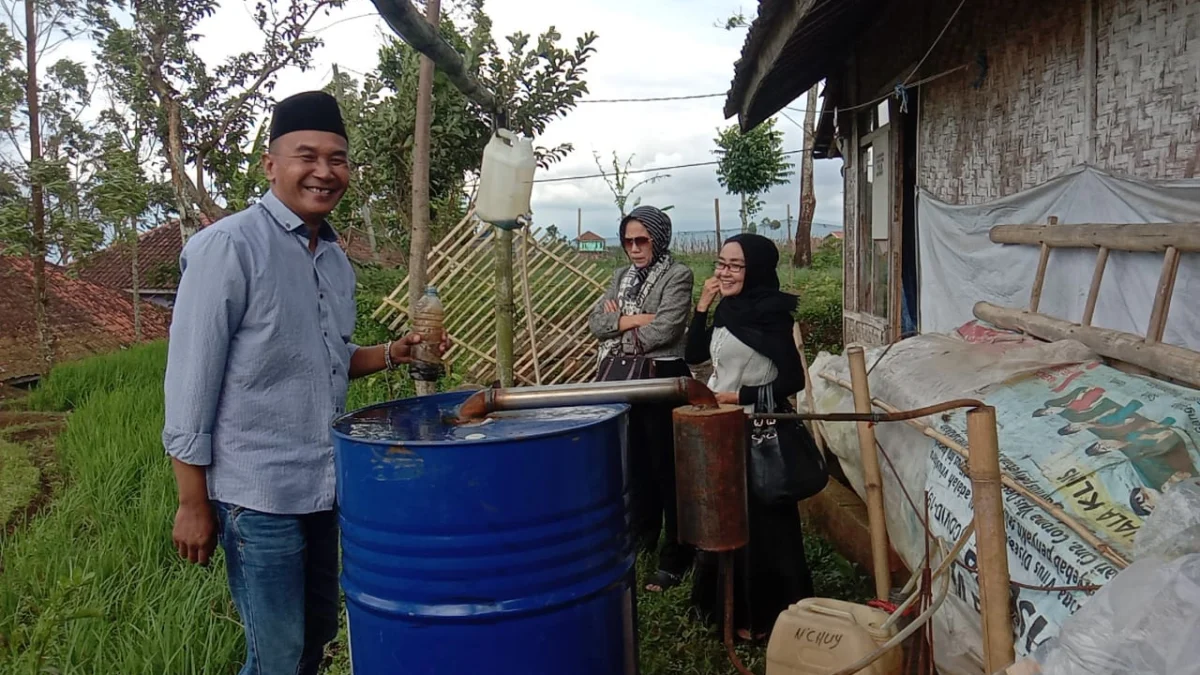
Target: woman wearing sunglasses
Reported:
[(750, 346), (644, 313)]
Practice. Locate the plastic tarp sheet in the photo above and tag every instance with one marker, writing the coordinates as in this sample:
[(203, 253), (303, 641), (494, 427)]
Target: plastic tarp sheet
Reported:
[(1146, 619), (1102, 445), (960, 265)]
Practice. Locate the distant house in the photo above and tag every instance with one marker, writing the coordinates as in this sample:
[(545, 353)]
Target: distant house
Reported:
[(591, 243), (84, 319), (158, 265)]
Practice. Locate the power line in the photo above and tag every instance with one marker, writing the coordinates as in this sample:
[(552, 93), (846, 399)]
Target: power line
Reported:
[(935, 43), (689, 97), (633, 171), (344, 20)]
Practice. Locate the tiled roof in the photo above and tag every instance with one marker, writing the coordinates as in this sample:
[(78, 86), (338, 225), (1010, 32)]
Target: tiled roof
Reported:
[(589, 236), (358, 248), (84, 318), (158, 261)]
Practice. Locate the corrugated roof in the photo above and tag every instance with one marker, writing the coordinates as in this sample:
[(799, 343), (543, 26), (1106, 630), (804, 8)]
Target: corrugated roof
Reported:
[(84, 318), (790, 47)]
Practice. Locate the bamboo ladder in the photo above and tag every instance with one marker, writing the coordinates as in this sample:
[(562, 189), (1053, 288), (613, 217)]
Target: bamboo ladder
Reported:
[(1146, 354)]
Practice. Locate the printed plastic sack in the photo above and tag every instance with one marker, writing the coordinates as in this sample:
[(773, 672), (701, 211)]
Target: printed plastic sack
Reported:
[(1173, 529), (1145, 621)]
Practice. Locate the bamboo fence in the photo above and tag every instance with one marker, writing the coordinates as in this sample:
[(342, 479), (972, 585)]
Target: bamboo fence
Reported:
[(558, 288)]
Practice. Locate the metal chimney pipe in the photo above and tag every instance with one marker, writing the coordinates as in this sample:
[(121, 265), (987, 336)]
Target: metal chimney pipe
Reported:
[(683, 390)]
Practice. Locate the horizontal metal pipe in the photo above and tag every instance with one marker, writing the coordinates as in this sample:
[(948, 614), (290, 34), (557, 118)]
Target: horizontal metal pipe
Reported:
[(662, 390)]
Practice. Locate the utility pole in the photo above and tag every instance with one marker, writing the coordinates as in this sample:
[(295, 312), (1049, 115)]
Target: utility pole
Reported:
[(717, 213), (789, 226), (419, 246)]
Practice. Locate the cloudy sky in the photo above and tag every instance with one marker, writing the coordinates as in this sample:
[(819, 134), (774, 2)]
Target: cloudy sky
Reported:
[(645, 48)]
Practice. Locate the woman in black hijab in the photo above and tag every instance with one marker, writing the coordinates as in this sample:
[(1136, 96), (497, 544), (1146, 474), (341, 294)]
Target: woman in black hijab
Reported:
[(751, 347)]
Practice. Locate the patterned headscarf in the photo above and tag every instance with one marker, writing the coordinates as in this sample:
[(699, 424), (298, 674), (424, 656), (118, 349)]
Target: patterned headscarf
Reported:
[(658, 225), (636, 283)]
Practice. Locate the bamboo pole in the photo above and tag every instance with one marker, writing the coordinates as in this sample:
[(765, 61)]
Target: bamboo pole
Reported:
[(991, 540), (1094, 290), (1035, 296), (817, 431), (418, 258), (1053, 509), (1174, 362), (1144, 237), (1162, 297), (537, 367), (504, 306), (872, 475), (407, 22)]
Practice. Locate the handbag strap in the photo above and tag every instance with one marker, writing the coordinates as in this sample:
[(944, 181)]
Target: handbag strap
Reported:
[(637, 344)]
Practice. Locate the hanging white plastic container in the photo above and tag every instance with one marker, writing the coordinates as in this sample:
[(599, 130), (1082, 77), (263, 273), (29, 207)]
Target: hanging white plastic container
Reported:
[(505, 180)]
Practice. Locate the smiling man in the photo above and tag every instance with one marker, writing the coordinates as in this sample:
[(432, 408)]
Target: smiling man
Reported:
[(258, 365)]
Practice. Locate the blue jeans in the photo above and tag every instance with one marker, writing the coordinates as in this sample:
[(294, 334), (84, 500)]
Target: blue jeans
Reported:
[(283, 578)]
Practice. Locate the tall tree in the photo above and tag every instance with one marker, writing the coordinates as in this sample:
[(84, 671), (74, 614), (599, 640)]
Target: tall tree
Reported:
[(69, 147), (618, 181), (808, 200), (750, 164), (123, 193), (39, 143), (541, 79), (203, 116), (37, 249)]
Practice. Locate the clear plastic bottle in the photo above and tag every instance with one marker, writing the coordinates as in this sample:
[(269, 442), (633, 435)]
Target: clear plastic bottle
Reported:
[(428, 321)]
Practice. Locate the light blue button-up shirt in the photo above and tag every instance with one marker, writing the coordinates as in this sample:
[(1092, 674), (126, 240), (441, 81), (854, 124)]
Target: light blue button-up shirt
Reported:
[(259, 357)]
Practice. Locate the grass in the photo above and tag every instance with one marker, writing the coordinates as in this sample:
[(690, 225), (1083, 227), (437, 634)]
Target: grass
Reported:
[(20, 480), (93, 585)]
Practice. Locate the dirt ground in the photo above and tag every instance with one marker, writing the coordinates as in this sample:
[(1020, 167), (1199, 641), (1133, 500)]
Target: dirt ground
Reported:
[(36, 433)]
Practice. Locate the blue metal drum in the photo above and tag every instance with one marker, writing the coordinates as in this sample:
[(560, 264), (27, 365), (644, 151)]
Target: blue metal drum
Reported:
[(486, 549)]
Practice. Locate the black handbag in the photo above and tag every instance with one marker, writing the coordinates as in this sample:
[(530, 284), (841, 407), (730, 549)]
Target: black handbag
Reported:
[(620, 367), (786, 465)]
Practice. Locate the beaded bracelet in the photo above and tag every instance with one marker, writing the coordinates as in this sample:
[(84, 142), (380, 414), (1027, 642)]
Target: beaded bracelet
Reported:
[(387, 356)]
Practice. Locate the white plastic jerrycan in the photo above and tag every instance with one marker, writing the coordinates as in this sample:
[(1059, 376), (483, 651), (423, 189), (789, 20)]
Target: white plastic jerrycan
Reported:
[(505, 179)]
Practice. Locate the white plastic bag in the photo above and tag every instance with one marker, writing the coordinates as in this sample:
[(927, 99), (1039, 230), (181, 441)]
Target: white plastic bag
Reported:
[(1173, 529), (1145, 621)]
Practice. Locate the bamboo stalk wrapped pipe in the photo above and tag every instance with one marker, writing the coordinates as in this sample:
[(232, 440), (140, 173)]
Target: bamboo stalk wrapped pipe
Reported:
[(1053, 509), (991, 545), (872, 475)]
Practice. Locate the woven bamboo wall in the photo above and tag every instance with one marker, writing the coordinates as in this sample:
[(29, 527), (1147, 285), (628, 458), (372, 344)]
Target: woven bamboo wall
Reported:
[(1148, 88), (1027, 121)]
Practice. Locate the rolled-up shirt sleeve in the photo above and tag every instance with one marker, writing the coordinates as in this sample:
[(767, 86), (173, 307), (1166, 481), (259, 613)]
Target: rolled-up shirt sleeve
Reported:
[(209, 306)]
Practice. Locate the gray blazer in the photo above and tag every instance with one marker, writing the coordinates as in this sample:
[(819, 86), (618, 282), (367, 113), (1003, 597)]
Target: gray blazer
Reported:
[(669, 300)]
